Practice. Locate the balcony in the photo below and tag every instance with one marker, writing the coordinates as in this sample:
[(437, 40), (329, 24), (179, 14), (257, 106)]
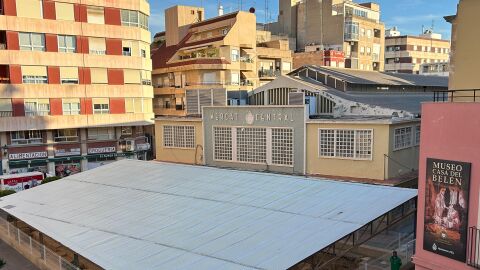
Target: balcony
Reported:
[(268, 73), (246, 63), (464, 95)]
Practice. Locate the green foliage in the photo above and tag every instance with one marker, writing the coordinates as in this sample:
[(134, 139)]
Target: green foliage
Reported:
[(6, 193), (50, 179)]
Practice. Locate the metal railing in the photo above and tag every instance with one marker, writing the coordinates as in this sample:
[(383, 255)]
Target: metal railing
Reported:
[(473, 247), (30, 248), (268, 73), (465, 95)]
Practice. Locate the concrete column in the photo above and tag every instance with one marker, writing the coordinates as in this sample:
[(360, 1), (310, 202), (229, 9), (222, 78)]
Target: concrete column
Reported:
[(50, 151), (83, 147), (84, 165), (51, 168), (3, 142), (83, 141)]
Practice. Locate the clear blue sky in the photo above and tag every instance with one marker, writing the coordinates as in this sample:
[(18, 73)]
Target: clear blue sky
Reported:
[(407, 15)]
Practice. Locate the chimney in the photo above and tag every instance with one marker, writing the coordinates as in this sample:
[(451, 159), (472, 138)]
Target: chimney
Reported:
[(220, 10)]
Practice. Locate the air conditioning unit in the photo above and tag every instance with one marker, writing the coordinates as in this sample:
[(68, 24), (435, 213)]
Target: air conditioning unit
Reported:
[(130, 145)]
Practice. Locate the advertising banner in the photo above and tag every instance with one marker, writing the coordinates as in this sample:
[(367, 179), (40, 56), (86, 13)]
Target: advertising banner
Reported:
[(446, 208)]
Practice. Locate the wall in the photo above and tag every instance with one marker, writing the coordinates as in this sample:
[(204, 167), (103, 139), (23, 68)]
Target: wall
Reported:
[(188, 156), (447, 135), (463, 65), (365, 169), (405, 160), (261, 116)]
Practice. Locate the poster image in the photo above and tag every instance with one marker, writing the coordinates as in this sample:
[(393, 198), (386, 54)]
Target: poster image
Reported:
[(446, 208), (64, 170)]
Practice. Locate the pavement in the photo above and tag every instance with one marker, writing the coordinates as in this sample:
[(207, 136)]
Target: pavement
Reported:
[(14, 260)]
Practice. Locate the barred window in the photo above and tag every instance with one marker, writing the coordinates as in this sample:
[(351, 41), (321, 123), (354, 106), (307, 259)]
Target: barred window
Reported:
[(179, 136), (252, 145), (327, 142), (343, 143), (403, 138), (282, 146), (417, 135), (363, 144), (222, 145)]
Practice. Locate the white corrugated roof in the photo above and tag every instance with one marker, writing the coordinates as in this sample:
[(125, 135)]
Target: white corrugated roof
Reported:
[(151, 215)]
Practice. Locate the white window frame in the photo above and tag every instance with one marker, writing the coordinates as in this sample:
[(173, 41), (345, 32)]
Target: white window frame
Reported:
[(29, 79), (235, 55), (334, 154), (59, 137), (27, 137), (408, 138), (105, 136), (171, 139), (70, 111), (66, 48), (31, 46), (37, 109), (104, 108), (269, 145)]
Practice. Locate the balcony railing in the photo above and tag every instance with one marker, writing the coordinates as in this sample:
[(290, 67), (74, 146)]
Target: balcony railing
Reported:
[(464, 95), (4, 80), (473, 247), (268, 73), (245, 59), (3, 46)]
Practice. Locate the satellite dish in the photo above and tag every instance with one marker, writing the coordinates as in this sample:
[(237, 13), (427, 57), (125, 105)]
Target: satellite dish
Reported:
[(252, 10)]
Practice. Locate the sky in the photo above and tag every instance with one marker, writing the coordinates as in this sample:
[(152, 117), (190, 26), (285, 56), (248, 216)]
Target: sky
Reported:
[(407, 15)]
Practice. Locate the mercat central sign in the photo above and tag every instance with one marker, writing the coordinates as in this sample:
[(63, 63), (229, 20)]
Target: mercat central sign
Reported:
[(251, 117)]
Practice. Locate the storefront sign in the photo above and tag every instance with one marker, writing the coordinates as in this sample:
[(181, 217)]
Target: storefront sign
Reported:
[(143, 146), (101, 150), (67, 152), (31, 155), (251, 118), (446, 208)]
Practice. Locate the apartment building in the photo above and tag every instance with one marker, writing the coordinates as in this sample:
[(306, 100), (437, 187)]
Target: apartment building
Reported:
[(317, 121), (342, 25), (75, 84), (448, 216), (217, 61), (406, 54)]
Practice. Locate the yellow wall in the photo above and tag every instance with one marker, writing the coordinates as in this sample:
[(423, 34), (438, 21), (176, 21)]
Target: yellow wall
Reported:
[(188, 156), (402, 161), (465, 40), (368, 169)]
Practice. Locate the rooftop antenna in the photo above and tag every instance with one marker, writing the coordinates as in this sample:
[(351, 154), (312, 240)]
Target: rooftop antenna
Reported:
[(433, 25), (266, 15)]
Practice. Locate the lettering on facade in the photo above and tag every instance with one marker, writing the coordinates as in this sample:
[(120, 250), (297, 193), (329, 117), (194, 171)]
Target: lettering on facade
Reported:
[(31, 155), (101, 150), (67, 152), (251, 118)]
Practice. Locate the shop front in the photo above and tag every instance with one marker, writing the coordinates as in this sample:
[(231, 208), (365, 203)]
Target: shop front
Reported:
[(28, 159), (67, 159), (101, 153)]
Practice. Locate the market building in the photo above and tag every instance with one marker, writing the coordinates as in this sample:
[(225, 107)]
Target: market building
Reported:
[(448, 215), (216, 61), (177, 216), (302, 124), (75, 84)]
